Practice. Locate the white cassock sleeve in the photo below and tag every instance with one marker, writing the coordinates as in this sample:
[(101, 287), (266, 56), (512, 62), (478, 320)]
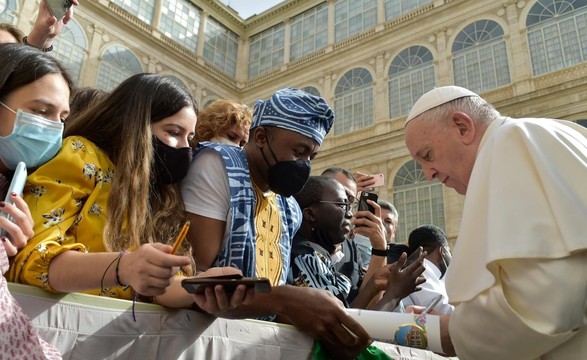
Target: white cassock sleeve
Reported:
[(517, 319)]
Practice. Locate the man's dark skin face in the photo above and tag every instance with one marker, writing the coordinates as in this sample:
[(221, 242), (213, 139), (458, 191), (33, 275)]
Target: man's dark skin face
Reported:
[(329, 217), (286, 145)]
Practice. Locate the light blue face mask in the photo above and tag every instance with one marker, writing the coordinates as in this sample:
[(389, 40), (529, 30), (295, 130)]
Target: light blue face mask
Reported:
[(34, 140)]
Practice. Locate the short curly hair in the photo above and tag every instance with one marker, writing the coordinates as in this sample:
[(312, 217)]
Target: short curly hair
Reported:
[(220, 116)]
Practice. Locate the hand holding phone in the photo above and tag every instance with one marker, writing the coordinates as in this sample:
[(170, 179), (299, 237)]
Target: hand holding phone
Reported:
[(413, 257), (363, 205)]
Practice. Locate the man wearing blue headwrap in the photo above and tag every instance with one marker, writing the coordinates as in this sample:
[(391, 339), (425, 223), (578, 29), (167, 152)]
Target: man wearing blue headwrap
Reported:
[(242, 215)]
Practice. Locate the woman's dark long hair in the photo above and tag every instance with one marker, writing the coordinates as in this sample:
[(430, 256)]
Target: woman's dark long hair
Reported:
[(21, 65)]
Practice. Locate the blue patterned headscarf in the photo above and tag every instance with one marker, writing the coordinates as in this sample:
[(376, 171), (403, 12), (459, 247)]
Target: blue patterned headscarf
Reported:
[(295, 110)]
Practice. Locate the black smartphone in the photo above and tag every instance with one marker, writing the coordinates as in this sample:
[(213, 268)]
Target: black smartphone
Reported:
[(363, 205), (58, 8), (413, 257), (196, 285)]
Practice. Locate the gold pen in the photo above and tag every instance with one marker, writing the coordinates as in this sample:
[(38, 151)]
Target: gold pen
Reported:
[(181, 237)]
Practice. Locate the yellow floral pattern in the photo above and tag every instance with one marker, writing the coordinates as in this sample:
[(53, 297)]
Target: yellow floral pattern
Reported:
[(67, 197)]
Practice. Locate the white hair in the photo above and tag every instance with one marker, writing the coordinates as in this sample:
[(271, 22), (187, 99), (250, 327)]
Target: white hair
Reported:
[(478, 109)]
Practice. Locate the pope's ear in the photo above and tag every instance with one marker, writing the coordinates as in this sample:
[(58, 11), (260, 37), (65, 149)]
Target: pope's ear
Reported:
[(465, 125)]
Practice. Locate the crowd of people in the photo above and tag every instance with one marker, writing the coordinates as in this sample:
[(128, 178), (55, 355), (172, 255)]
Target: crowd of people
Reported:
[(114, 176)]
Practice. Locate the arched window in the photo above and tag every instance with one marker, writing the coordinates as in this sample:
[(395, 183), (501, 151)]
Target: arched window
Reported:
[(397, 8), (352, 17), (180, 21), (311, 90), (117, 64), (417, 200), (582, 122), (7, 11), (411, 74), (353, 101), (70, 48), (480, 60), (557, 34), (143, 9)]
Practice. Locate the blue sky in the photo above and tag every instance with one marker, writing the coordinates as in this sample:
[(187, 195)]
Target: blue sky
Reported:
[(248, 8)]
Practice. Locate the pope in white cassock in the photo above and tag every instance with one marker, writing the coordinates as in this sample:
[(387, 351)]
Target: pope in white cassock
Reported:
[(519, 272)]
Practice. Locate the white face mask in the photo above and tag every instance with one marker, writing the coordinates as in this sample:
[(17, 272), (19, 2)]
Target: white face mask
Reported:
[(337, 256), (34, 140), (222, 140)]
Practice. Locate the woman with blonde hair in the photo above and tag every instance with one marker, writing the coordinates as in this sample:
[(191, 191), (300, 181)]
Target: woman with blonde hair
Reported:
[(224, 121), (107, 207)]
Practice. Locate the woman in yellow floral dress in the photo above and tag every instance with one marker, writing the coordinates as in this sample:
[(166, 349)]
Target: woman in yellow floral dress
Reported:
[(106, 207)]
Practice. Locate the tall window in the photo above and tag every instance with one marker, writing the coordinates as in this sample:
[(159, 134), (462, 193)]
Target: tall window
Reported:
[(309, 31), (480, 61), (180, 21), (143, 9), (266, 50), (353, 17), (70, 48), (221, 47), (397, 8), (311, 90), (557, 34), (117, 64), (7, 11), (417, 200), (353, 101), (411, 74)]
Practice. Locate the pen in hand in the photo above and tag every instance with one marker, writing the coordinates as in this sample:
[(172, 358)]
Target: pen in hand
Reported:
[(431, 305), (180, 237)]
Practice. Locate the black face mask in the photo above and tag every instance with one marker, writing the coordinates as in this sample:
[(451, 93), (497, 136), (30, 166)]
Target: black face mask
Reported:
[(171, 164), (287, 178)]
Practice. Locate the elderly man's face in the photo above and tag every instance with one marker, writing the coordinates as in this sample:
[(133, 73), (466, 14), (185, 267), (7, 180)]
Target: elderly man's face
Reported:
[(442, 150)]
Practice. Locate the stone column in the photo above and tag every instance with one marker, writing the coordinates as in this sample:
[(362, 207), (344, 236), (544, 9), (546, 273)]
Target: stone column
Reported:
[(202, 34), (287, 40)]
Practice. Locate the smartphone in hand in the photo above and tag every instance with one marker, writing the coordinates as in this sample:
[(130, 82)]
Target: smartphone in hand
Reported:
[(58, 8), (363, 205), (16, 186), (197, 285), (413, 257)]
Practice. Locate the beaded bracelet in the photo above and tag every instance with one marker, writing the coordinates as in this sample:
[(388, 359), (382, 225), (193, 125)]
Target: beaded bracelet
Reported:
[(25, 41)]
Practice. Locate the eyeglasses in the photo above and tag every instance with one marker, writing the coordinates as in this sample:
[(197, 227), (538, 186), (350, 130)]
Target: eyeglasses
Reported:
[(343, 205)]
